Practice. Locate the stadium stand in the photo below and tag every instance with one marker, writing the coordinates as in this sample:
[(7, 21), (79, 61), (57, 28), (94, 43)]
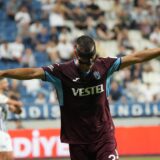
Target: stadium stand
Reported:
[(36, 33), (47, 27)]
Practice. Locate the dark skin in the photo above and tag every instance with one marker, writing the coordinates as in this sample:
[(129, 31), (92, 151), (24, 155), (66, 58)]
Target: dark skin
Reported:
[(38, 73)]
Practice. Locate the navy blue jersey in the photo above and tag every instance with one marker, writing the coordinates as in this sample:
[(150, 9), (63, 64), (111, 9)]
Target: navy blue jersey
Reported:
[(85, 114)]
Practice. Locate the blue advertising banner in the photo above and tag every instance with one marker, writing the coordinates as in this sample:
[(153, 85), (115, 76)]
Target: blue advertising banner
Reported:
[(32, 111), (118, 110), (135, 110)]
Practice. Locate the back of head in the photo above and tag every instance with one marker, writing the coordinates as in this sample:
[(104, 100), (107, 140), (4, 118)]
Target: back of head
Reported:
[(85, 46)]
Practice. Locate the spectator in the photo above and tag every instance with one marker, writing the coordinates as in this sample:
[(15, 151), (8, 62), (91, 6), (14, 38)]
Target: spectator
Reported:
[(91, 31), (47, 7), (79, 17), (17, 49), (121, 51), (54, 34), (40, 99), (65, 32), (94, 10), (53, 97), (12, 8), (65, 49), (5, 52), (14, 90), (36, 27), (42, 32), (155, 36), (32, 86), (123, 39), (28, 59), (136, 71), (23, 20), (52, 51), (115, 91), (43, 37), (102, 29), (56, 18)]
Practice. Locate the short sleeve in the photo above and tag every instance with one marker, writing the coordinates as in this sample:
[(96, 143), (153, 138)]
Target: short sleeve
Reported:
[(113, 65), (53, 74), (51, 71), (3, 99)]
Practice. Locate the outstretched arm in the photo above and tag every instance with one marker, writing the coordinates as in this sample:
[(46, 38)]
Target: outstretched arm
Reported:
[(23, 73), (139, 57)]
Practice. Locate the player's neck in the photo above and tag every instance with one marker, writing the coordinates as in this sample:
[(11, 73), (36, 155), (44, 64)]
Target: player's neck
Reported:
[(85, 70)]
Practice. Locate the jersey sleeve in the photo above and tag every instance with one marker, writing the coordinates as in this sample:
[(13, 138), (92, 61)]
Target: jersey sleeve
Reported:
[(3, 99), (52, 72), (112, 65)]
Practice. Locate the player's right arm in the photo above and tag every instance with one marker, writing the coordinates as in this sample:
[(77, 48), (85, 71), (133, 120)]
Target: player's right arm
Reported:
[(23, 73)]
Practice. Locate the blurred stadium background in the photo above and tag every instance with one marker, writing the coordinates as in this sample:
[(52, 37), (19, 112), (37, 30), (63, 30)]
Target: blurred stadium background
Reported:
[(36, 33)]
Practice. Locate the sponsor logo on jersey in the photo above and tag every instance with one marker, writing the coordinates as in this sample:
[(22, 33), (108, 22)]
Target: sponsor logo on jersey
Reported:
[(76, 79), (97, 75), (88, 91)]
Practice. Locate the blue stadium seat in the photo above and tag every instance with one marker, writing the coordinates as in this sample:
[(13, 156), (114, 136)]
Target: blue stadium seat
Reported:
[(28, 99), (22, 91), (45, 23), (41, 56), (36, 5), (3, 15)]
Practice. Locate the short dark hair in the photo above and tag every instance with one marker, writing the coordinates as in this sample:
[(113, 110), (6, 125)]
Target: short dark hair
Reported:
[(85, 46)]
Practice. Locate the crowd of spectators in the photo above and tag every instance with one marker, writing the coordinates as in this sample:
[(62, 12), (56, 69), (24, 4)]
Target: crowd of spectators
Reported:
[(45, 30)]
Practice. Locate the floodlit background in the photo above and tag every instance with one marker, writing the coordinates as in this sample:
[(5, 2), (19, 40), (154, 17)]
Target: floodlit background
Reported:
[(36, 33)]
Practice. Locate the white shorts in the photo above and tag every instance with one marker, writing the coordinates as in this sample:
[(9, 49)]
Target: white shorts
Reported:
[(5, 142)]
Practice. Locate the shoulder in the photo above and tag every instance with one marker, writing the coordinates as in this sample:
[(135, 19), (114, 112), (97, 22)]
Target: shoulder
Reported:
[(108, 64), (107, 61), (58, 67), (68, 63)]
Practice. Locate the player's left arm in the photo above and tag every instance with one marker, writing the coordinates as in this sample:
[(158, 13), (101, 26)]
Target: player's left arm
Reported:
[(139, 57)]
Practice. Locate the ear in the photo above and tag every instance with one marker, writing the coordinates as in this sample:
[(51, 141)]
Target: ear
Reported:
[(75, 51)]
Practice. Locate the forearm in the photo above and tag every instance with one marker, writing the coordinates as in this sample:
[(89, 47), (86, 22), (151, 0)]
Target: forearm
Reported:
[(19, 73), (139, 57), (146, 55)]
